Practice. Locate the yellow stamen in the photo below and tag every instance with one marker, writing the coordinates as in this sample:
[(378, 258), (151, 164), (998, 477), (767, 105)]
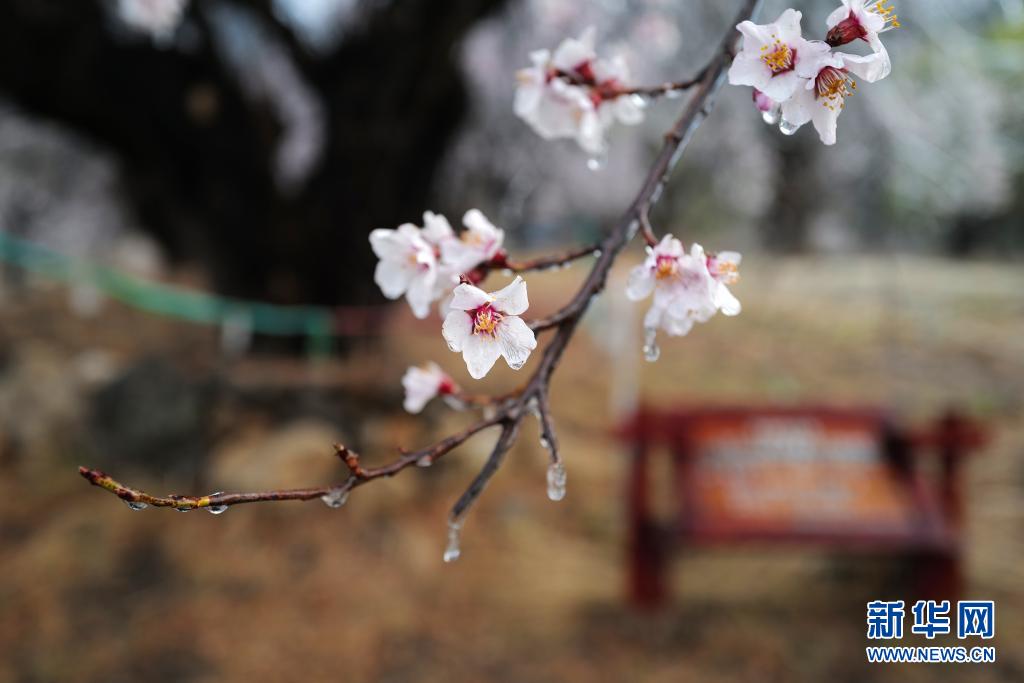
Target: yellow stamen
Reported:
[(486, 321), (727, 272), (833, 86), (780, 58), (667, 267)]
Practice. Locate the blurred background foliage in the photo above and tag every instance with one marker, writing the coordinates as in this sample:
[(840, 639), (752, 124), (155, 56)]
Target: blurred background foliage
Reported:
[(262, 140), (250, 152)]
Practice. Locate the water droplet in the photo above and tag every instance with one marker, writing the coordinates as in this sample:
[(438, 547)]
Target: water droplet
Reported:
[(507, 272), (596, 253), (544, 443), (136, 505), (787, 128), (639, 101), (216, 509), (452, 347), (424, 461), (556, 481), (452, 550), (672, 93), (453, 402), (598, 161), (651, 350), (183, 509), (335, 498), (532, 408), (771, 117), (517, 364), (489, 412)]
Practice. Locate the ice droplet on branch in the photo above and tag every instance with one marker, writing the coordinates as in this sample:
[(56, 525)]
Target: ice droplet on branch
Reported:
[(771, 117), (651, 350), (424, 461), (136, 505), (216, 509), (787, 128), (556, 481), (452, 550), (598, 161), (335, 498)]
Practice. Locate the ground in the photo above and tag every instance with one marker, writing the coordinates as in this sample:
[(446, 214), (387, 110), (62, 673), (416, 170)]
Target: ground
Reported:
[(94, 592)]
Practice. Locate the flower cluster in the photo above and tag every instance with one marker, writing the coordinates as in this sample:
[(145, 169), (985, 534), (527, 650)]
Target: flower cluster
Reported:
[(688, 288), (574, 94), (426, 263), (797, 81)]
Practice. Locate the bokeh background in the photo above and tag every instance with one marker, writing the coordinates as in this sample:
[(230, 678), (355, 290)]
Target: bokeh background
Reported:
[(151, 183)]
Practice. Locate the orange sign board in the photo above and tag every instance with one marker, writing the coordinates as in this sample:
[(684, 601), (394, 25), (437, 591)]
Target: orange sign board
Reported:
[(794, 473)]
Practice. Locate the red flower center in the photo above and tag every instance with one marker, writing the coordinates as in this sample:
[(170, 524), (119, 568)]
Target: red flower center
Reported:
[(485, 320)]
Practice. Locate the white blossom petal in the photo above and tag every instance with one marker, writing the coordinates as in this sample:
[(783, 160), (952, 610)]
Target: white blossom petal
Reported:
[(512, 299), (869, 68), (420, 292), (436, 228), (468, 298), (726, 302), (574, 51), (640, 284), (392, 277), (748, 69), (517, 340), (456, 329), (421, 385), (480, 351)]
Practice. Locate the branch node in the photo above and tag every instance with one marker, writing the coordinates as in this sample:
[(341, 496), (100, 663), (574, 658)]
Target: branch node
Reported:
[(351, 460)]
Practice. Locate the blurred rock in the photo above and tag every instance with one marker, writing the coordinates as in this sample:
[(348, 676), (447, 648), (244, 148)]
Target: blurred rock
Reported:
[(152, 417)]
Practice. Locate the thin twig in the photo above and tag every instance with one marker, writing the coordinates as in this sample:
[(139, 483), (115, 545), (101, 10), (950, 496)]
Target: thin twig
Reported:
[(510, 409), (552, 261), (547, 427), (646, 229)]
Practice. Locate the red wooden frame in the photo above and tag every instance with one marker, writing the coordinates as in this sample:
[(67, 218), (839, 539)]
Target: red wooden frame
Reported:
[(932, 544)]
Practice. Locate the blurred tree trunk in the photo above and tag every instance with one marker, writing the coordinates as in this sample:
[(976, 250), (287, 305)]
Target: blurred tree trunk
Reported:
[(197, 152), (788, 224)]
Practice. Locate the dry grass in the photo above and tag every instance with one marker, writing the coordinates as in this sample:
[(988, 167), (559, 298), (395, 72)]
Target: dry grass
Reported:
[(300, 592)]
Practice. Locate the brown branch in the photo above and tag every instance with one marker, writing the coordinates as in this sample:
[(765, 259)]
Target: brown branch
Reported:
[(547, 427), (552, 261), (510, 409), (612, 90), (645, 227)]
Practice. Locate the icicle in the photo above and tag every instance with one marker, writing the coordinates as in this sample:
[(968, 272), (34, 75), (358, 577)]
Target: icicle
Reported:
[(598, 161), (452, 550), (556, 481), (787, 128), (651, 350), (335, 498)]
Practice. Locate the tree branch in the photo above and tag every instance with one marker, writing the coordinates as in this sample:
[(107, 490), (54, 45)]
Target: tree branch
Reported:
[(509, 410)]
